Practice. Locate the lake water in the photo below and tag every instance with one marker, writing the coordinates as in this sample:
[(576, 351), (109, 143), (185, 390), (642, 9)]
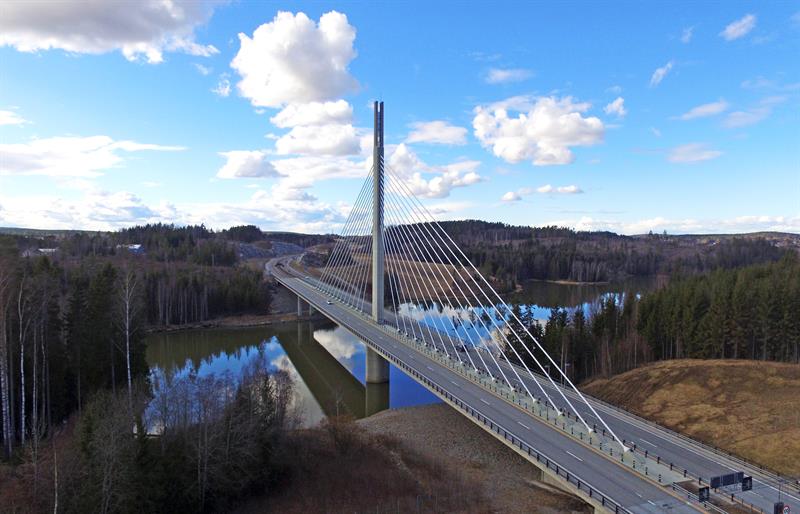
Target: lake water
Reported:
[(327, 363)]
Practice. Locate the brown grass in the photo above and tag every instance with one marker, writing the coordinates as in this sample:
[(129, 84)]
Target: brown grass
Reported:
[(751, 409), (342, 468)]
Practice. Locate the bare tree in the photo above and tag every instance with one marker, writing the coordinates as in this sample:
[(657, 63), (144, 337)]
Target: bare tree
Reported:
[(129, 310), (5, 385), (24, 322)]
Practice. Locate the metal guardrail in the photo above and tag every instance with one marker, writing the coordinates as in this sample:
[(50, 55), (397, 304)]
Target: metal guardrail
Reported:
[(691, 496)]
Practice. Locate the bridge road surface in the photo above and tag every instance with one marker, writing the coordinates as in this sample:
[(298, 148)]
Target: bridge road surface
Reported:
[(683, 453), (628, 489)]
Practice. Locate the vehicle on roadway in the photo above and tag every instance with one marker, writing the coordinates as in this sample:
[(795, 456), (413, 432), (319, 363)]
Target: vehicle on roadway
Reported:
[(329, 302)]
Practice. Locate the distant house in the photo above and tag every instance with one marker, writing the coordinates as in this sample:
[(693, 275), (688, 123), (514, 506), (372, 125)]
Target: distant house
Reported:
[(136, 249), (36, 252)]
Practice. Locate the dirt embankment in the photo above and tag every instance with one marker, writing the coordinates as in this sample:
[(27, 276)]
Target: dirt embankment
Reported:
[(749, 408), (509, 482)]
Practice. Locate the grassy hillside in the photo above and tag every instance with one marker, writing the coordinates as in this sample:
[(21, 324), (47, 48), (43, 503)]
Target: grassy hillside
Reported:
[(749, 408)]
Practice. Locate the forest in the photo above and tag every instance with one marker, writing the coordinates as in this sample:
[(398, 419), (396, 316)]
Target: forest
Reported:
[(748, 312), (513, 254), (72, 322)]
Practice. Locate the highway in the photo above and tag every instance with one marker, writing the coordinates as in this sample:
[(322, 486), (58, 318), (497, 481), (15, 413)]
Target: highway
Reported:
[(633, 492)]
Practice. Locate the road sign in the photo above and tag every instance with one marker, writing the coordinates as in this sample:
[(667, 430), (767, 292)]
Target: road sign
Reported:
[(778, 508), (786, 509), (704, 494), (747, 484)]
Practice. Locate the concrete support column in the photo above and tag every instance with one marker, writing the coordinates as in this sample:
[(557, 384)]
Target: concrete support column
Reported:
[(302, 305), (377, 368), (377, 398)]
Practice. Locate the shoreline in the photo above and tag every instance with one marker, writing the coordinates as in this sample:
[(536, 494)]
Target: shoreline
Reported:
[(242, 321)]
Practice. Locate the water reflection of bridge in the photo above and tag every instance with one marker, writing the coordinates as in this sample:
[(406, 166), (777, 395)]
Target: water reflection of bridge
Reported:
[(333, 386)]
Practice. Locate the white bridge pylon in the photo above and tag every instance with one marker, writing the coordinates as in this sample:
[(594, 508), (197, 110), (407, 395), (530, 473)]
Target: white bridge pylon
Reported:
[(426, 288)]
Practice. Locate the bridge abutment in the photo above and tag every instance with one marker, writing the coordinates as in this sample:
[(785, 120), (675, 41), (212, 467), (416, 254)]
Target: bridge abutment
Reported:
[(377, 368)]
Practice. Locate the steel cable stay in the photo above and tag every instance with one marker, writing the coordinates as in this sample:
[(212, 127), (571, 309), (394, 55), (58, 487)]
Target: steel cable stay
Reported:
[(354, 268), (428, 289), (422, 208), (500, 331), (337, 255)]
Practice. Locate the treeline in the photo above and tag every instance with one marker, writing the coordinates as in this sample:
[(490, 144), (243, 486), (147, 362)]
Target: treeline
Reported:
[(514, 254), (64, 334), (202, 445), (743, 313), (71, 328)]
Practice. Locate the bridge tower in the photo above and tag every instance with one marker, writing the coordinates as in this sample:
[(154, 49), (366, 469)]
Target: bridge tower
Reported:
[(377, 366)]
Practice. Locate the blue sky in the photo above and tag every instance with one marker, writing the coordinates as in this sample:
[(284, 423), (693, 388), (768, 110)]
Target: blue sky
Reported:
[(623, 116)]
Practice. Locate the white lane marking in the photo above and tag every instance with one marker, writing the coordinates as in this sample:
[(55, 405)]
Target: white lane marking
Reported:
[(648, 442), (524, 425), (639, 495), (484, 401), (650, 502), (455, 384), (430, 368), (574, 455)]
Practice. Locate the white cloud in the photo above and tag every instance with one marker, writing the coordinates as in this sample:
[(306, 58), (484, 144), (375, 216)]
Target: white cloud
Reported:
[(739, 224), (755, 114), (514, 196), (319, 140), (223, 87), (69, 156), (437, 132), (616, 107), (11, 118), (304, 172), (246, 164), (406, 166), (687, 34), (501, 76), (140, 30), (314, 113), (739, 28), (701, 111), (292, 59), (543, 134), (203, 70), (692, 152), (660, 73)]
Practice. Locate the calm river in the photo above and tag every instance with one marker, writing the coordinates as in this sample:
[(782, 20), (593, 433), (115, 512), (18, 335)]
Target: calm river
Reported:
[(326, 362)]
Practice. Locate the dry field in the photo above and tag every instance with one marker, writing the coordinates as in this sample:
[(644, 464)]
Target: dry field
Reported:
[(749, 408)]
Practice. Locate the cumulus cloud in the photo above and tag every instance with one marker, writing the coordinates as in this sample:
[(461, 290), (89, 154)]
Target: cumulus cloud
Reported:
[(501, 76), (544, 131), (292, 59), (246, 164), (702, 111), (203, 70), (692, 152), (660, 73), (511, 196), (319, 140), (437, 132), (617, 107), (339, 112), (687, 34), (755, 114), (278, 208), (11, 118), (69, 156), (406, 166), (739, 28), (140, 30)]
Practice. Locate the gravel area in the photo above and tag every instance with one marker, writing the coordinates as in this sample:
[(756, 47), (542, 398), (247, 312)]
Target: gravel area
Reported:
[(511, 482)]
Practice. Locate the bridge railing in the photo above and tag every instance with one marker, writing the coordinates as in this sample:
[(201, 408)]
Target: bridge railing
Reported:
[(567, 476)]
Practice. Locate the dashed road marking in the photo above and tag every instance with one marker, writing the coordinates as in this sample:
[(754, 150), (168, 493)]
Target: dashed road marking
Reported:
[(574, 455), (524, 425), (484, 401), (648, 442)]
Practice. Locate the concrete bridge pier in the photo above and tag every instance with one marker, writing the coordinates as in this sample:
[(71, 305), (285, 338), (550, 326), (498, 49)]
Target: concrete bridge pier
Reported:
[(377, 368), (302, 307), (376, 398)]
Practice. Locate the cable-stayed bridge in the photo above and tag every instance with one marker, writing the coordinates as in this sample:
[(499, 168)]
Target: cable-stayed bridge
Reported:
[(401, 284)]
